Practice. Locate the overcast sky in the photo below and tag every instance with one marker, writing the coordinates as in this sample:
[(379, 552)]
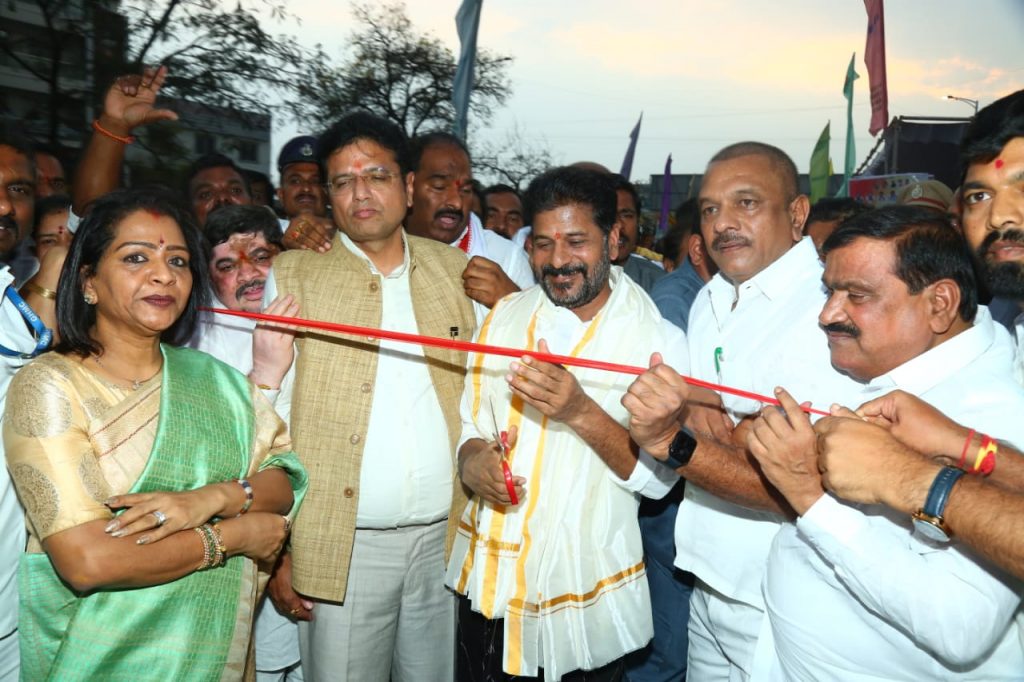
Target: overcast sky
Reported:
[(709, 73)]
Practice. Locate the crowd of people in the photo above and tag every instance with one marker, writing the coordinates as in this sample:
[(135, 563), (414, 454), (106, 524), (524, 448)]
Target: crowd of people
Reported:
[(190, 495)]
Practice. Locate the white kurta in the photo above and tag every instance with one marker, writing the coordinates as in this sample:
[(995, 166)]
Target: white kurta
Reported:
[(854, 595), (492, 246), (769, 338), (14, 335), (564, 567)]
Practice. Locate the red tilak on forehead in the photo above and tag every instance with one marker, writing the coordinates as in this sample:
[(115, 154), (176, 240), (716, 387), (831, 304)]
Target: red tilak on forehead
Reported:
[(558, 235), (999, 163), (161, 240)]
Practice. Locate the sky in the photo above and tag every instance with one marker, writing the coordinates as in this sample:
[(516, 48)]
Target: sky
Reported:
[(706, 74)]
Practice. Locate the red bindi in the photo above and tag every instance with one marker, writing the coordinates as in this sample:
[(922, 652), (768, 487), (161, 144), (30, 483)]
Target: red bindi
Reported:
[(558, 235), (161, 240), (999, 163)]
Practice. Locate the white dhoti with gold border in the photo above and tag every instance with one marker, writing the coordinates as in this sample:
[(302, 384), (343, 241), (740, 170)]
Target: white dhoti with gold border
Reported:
[(564, 567)]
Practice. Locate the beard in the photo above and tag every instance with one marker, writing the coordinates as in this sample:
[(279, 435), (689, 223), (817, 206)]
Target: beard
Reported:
[(1006, 278), (593, 282)]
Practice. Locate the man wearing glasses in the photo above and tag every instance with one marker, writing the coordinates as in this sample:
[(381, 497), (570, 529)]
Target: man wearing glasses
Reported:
[(377, 421)]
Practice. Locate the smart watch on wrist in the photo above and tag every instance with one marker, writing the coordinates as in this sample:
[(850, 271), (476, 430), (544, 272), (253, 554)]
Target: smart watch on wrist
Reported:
[(928, 521), (680, 450)]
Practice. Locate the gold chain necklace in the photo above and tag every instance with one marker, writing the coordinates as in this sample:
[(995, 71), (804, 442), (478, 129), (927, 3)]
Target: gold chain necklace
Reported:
[(136, 383)]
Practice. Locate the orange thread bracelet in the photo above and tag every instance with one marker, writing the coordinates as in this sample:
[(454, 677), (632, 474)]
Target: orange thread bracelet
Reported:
[(963, 453), (127, 139)]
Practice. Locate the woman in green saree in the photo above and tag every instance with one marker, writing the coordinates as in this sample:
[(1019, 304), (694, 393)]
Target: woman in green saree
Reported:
[(155, 478)]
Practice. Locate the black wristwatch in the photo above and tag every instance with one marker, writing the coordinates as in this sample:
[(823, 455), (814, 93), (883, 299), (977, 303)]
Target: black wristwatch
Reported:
[(680, 450)]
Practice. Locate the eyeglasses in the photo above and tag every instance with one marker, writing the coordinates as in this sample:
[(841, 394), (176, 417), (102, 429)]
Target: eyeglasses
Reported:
[(374, 178)]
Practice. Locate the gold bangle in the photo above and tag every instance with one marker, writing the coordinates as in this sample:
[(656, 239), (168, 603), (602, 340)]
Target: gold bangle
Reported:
[(207, 549), (265, 387), (42, 291), (220, 552)]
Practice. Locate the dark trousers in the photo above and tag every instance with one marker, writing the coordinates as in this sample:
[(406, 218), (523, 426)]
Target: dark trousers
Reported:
[(479, 649), (664, 658)]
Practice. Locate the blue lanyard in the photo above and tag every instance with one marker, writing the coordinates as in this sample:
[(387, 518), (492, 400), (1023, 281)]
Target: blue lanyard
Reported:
[(42, 335)]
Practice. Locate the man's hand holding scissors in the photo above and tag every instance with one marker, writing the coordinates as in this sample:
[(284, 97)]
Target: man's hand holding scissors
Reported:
[(482, 467)]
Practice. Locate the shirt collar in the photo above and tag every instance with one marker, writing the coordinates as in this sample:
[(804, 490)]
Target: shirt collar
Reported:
[(934, 366), (358, 252), (790, 270)]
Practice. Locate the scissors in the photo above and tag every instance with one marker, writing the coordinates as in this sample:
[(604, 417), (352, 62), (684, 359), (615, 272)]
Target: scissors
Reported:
[(501, 437)]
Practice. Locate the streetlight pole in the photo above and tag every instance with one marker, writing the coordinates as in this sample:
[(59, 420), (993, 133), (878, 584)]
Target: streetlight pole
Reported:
[(965, 100)]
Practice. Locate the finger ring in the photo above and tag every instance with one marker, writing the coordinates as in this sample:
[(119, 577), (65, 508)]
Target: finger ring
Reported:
[(287, 524), (161, 518), (294, 612)]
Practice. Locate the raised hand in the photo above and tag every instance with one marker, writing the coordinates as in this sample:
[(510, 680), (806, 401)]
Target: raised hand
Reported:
[(130, 101)]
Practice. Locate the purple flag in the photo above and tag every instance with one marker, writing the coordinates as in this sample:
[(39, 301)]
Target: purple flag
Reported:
[(666, 198), (627, 162)]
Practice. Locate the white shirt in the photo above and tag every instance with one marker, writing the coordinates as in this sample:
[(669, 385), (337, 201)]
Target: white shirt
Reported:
[(521, 235), (854, 595), (405, 477), (1018, 365), (770, 338), (492, 246), (14, 334)]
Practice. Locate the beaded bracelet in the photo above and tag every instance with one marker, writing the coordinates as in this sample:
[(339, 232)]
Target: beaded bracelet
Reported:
[(247, 487)]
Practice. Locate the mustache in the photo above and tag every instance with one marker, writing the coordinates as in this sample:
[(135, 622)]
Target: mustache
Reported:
[(249, 285), (564, 271), (1011, 235), (448, 212), (7, 223), (840, 328), (728, 238)]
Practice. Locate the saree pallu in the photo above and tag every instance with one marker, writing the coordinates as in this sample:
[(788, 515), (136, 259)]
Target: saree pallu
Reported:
[(197, 627)]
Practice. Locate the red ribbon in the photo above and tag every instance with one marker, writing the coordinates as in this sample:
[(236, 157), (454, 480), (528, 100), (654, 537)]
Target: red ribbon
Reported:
[(470, 347)]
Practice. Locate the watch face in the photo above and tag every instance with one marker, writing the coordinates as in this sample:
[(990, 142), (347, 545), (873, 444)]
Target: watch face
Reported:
[(930, 531)]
